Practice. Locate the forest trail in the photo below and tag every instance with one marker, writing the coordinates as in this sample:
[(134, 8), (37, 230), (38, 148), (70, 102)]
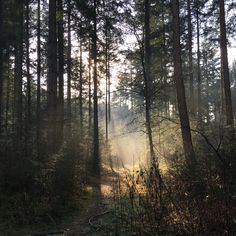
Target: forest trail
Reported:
[(96, 218)]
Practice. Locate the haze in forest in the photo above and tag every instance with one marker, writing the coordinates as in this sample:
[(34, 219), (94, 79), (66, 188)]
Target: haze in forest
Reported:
[(117, 117)]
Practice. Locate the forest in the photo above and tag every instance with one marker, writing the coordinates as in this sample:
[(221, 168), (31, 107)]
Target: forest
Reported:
[(117, 117)]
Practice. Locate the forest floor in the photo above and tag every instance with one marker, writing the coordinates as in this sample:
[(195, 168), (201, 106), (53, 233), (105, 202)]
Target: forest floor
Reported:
[(98, 217), (95, 217)]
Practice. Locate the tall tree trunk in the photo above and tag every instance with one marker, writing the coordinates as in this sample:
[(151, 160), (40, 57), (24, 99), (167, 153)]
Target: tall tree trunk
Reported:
[(28, 116), (106, 7), (225, 68), (109, 88), (52, 77), (38, 112), (60, 72), (148, 93), (1, 64), (81, 82), (183, 113), (205, 66), (69, 61), (190, 58), (89, 88), (106, 96), (147, 80), (18, 72), (96, 156), (107, 74), (8, 90), (199, 82), (163, 58)]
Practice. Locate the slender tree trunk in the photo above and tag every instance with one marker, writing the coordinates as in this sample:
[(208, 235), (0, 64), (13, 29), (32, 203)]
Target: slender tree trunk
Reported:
[(148, 93), (52, 77), (109, 90), (190, 58), (28, 116), (18, 72), (163, 58), (147, 80), (96, 164), (81, 82), (60, 72), (225, 68), (106, 99), (183, 113), (1, 64), (69, 61), (89, 88), (13, 100), (205, 60), (199, 105), (208, 98), (8, 90), (107, 86), (38, 109), (106, 7)]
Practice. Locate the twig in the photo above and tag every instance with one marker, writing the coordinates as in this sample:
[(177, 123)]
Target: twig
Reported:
[(49, 233), (97, 227)]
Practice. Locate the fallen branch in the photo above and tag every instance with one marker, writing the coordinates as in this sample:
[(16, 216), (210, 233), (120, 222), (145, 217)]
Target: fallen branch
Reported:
[(97, 227), (61, 232)]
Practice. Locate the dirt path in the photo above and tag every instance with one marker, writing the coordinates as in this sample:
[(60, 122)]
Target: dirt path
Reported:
[(98, 218)]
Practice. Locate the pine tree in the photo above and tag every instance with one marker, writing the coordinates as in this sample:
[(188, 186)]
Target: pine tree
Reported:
[(225, 68), (178, 78), (52, 77)]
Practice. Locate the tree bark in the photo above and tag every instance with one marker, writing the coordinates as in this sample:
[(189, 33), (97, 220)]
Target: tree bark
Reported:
[(81, 82), (178, 78), (109, 89), (8, 90), (147, 80), (52, 77), (205, 65), (89, 88), (107, 78), (190, 58), (1, 64), (96, 163), (69, 61), (60, 72), (199, 99), (225, 68), (163, 59), (18, 72), (38, 109), (28, 116)]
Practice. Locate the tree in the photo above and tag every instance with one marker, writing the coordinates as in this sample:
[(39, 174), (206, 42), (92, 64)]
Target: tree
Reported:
[(225, 68), (27, 38), (52, 77), (199, 100), (38, 108), (96, 160), (1, 63), (69, 58), (190, 57), (18, 70), (147, 79), (178, 78), (81, 79), (60, 105)]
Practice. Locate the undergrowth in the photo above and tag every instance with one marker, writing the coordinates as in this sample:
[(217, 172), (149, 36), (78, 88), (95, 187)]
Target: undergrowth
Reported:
[(183, 202)]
